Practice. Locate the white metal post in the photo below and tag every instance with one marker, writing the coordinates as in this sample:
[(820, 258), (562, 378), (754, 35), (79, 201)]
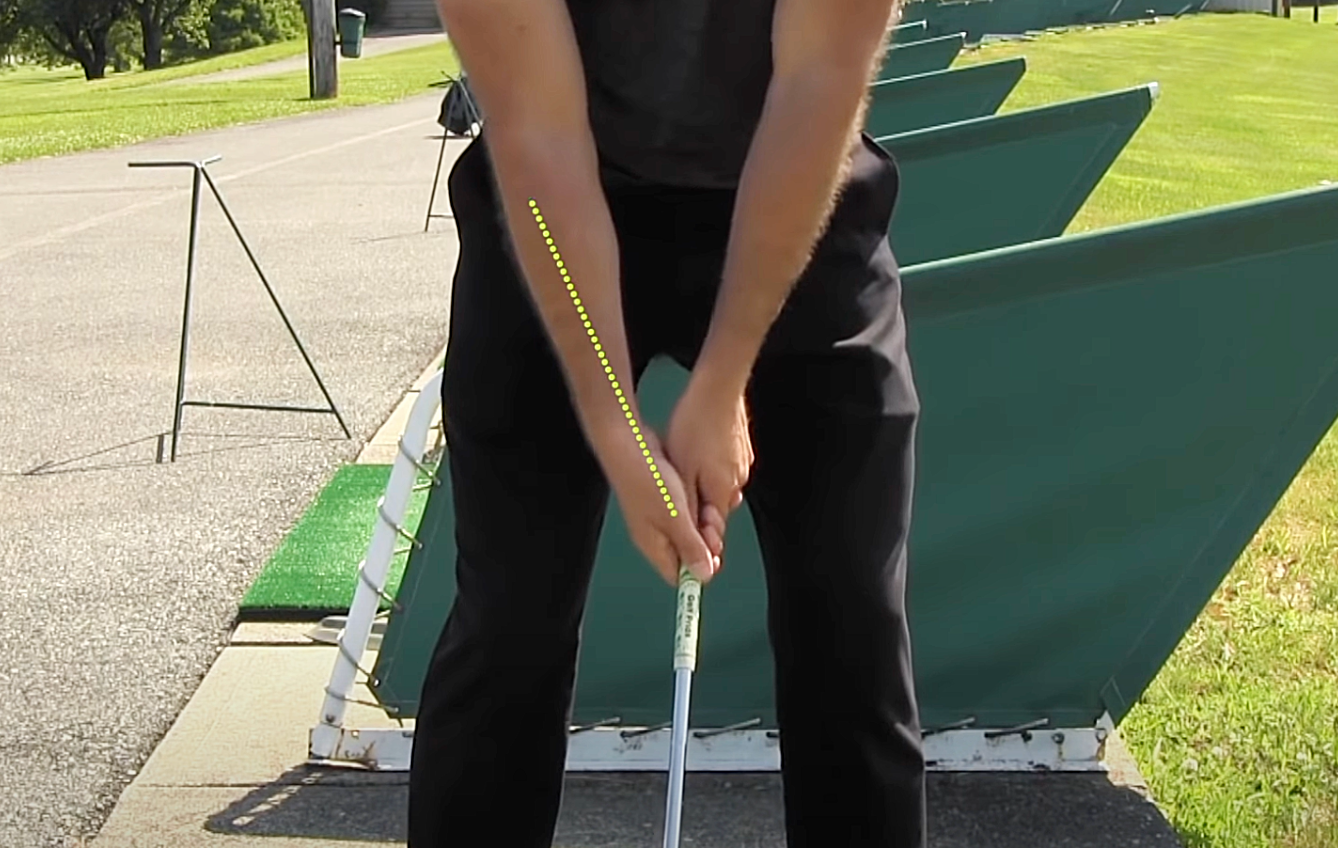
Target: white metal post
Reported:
[(325, 736)]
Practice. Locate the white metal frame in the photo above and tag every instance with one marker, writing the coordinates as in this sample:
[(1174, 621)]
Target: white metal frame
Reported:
[(367, 595), (639, 749), (962, 747)]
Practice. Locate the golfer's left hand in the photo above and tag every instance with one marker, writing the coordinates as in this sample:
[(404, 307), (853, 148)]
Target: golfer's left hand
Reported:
[(708, 442)]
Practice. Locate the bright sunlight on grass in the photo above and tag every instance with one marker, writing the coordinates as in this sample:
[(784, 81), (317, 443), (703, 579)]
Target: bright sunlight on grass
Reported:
[(1248, 107), (45, 113), (1238, 735)]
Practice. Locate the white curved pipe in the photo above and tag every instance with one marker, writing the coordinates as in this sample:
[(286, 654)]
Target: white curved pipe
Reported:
[(374, 569)]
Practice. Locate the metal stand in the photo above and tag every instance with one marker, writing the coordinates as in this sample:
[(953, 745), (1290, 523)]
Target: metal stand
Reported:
[(475, 119), (200, 172)]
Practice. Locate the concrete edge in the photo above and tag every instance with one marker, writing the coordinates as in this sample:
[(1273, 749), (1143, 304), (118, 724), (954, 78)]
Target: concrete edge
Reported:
[(382, 447)]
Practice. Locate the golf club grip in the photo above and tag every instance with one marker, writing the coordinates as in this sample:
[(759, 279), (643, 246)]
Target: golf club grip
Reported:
[(688, 621)]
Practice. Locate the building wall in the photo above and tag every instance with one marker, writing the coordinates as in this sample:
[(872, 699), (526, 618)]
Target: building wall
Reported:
[(406, 15)]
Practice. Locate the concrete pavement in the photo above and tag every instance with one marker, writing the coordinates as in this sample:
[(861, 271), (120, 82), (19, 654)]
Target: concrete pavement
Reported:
[(119, 577), (230, 774)]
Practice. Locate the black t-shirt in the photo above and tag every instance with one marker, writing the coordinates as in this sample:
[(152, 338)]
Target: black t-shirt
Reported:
[(675, 87)]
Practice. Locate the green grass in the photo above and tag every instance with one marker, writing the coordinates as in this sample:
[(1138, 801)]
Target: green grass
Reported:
[(316, 567), (1238, 735), (1248, 107), (45, 113), (30, 75)]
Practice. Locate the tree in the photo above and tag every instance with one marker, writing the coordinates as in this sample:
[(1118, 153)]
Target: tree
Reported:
[(9, 26), (79, 30), (156, 17)]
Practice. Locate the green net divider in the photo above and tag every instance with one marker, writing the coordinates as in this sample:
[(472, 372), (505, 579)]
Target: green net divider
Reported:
[(1117, 414), (921, 57), (972, 18), (981, 18), (1006, 179), (908, 32), (941, 97), (1107, 420)]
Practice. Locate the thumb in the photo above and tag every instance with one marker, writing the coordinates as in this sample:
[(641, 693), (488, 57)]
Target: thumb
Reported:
[(691, 548)]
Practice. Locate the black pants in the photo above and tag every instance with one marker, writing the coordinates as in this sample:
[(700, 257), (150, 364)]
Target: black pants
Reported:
[(834, 411)]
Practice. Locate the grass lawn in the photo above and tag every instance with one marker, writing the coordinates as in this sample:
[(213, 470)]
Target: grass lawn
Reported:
[(45, 112), (1248, 107), (1238, 735)]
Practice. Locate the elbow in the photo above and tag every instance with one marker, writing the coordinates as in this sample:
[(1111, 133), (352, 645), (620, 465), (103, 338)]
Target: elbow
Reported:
[(833, 86), (537, 149)]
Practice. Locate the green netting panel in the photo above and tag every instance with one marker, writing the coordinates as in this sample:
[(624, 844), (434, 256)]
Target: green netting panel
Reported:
[(1007, 179), (908, 32), (969, 17), (921, 57), (1108, 419), (629, 610), (941, 97), (1129, 10), (978, 18)]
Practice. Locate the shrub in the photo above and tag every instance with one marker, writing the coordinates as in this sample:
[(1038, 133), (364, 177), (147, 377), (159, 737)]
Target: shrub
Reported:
[(224, 26)]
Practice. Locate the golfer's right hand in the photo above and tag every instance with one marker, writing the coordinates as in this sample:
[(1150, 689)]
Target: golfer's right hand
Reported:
[(666, 540)]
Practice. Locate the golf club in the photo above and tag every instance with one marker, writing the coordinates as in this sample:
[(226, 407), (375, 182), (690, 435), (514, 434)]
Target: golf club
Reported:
[(685, 662)]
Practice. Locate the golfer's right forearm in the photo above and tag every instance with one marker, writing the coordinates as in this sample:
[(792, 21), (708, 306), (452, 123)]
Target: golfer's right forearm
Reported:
[(526, 69), (560, 174)]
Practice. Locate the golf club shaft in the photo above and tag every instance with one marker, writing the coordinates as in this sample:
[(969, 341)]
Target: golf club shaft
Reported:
[(673, 814), (685, 662)]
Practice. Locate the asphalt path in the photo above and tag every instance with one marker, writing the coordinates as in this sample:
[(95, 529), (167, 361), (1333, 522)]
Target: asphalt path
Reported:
[(120, 575)]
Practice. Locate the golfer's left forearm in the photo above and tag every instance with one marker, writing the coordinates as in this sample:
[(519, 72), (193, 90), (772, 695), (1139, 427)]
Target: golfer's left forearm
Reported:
[(798, 159)]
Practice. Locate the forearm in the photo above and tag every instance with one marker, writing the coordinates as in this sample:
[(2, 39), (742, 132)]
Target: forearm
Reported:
[(786, 192), (561, 176), (523, 60), (825, 52)]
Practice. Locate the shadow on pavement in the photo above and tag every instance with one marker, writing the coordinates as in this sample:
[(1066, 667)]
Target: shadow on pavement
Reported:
[(604, 810), (151, 450)]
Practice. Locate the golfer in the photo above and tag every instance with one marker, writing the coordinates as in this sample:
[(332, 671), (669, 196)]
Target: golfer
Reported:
[(684, 178)]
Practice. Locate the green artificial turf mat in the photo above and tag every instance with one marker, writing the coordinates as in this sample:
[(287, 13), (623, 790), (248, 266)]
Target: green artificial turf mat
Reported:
[(315, 569)]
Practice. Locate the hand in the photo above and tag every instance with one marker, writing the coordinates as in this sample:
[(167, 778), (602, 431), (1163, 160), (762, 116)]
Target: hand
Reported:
[(709, 445), (666, 540)]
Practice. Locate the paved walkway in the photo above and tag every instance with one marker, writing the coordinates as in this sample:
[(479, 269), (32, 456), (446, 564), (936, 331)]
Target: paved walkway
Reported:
[(372, 45), (230, 775), (119, 577)]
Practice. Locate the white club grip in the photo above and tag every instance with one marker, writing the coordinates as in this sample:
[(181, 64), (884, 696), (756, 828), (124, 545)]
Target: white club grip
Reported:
[(688, 621)]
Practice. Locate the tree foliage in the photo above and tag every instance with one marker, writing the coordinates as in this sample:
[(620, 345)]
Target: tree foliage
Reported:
[(79, 30), (156, 18), (9, 26), (225, 26), (98, 33)]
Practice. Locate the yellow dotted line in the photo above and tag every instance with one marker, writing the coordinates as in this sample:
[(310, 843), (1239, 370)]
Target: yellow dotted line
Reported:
[(603, 359)]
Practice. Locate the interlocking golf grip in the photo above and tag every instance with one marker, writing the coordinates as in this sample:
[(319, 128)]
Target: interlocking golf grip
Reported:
[(689, 617)]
